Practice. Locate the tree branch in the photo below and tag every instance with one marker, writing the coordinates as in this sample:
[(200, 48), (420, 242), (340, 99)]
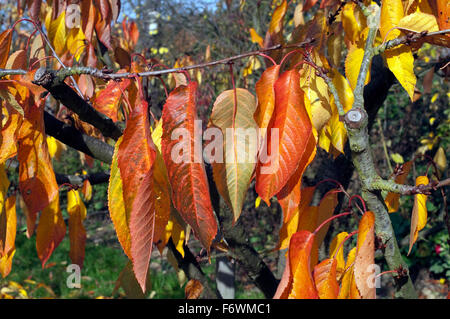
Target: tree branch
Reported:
[(239, 247), (67, 96), (72, 137)]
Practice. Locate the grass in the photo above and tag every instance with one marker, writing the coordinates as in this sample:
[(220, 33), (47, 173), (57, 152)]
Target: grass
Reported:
[(102, 266)]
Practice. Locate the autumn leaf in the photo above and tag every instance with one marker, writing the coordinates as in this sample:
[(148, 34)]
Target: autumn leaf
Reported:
[(77, 232), (119, 215), (256, 38), (107, 100), (400, 59), (135, 158), (50, 231), (336, 244), (293, 207), (8, 225), (57, 32), (353, 63), (274, 34), (419, 213), (187, 175), (9, 133), (37, 182), (345, 93), (265, 92), (193, 289), (127, 281), (291, 128), (325, 279), (348, 286), (300, 249), (317, 96), (233, 115), (418, 22), (392, 199), (365, 257), (5, 44)]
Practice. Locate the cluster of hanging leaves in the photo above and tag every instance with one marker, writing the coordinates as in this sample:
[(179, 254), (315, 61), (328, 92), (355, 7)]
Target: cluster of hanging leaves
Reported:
[(158, 188)]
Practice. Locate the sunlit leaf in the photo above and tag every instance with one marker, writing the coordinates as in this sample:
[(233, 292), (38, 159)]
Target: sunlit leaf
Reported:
[(325, 279), (50, 230), (300, 249), (187, 175), (365, 257), (77, 232), (291, 128), (392, 199), (419, 213), (239, 145)]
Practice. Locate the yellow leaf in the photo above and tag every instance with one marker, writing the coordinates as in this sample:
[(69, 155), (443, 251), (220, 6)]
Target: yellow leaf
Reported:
[(257, 202), (119, 216), (419, 213), (336, 244), (345, 93), (352, 22), (8, 225), (256, 38), (353, 65), (316, 93), (440, 159), (75, 42), (400, 59), (418, 22), (57, 33), (276, 23), (348, 279), (75, 204), (397, 158)]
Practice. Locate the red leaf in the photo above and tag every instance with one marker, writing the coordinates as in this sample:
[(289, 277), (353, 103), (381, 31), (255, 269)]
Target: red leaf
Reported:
[(190, 191), (37, 182), (107, 100), (294, 130), (136, 156)]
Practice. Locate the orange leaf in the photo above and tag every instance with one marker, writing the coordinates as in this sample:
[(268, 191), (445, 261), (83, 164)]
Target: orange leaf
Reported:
[(9, 133), (325, 279), (37, 182), (419, 213), (187, 176), (193, 289), (392, 199), (296, 178), (336, 244), (77, 233), (107, 100), (365, 257), (287, 139), (300, 249), (135, 158), (5, 44), (265, 92), (50, 230)]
